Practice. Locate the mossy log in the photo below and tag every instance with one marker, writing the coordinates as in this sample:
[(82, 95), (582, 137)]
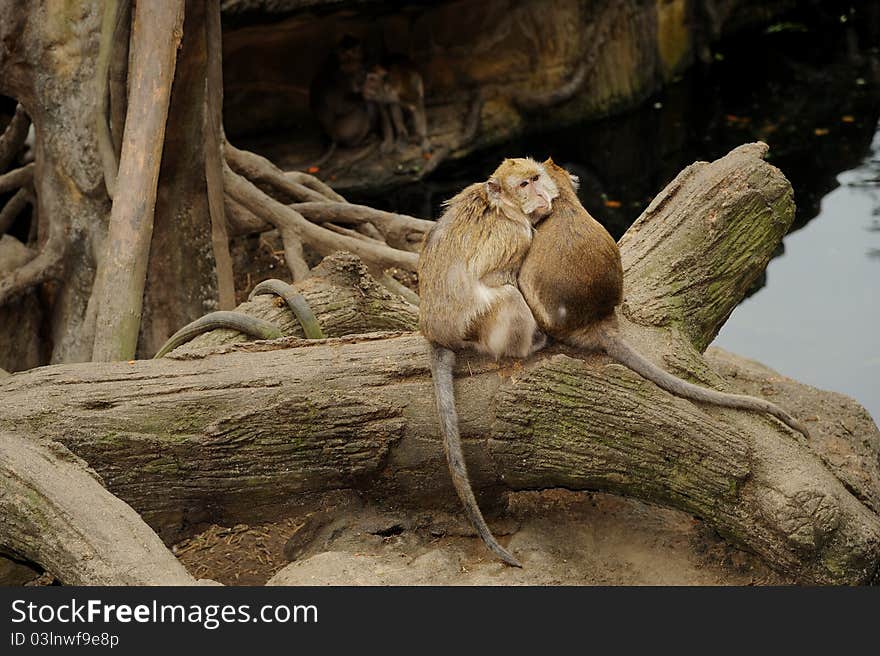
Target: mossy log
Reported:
[(241, 432)]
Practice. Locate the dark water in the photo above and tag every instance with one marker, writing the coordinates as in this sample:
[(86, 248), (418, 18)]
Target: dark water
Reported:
[(810, 87)]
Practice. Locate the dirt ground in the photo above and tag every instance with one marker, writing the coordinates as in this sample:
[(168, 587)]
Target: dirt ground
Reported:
[(561, 537)]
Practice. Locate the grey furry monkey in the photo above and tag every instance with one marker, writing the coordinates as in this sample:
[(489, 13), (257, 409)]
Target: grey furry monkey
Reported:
[(469, 298)]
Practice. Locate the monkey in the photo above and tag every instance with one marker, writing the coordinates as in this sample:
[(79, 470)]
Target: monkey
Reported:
[(336, 97), (396, 85), (469, 298), (572, 280)]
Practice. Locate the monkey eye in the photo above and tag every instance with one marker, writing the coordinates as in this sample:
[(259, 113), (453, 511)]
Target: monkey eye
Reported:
[(524, 183), (535, 179)]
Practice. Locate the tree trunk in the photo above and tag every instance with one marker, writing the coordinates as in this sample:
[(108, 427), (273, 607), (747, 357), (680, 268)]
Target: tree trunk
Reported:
[(119, 286), (182, 278), (247, 432)]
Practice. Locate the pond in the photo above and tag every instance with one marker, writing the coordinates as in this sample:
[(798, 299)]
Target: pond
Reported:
[(809, 86)]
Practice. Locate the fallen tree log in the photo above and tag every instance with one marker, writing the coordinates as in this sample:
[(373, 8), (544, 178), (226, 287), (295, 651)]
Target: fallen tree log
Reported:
[(242, 432), (57, 513)]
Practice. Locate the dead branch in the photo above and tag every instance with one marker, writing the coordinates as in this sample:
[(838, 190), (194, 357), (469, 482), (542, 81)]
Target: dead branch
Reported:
[(17, 178), (13, 138), (119, 287)]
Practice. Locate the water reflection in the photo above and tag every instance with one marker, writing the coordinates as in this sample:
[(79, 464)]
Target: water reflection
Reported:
[(817, 320)]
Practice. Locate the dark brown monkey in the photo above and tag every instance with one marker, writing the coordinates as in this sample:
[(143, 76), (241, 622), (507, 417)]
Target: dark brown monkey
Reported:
[(396, 85), (336, 97), (572, 280), (469, 298)]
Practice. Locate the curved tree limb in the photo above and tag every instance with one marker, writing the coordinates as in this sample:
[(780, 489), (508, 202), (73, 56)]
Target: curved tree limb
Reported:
[(14, 207), (13, 138), (399, 230), (325, 242), (17, 178), (258, 169), (47, 265)]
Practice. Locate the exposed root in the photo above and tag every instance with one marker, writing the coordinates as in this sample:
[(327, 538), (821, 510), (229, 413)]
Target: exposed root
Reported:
[(394, 285), (260, 170), (297, 304), (376, 255), (244, 323), (12, 139), (47, 265), (312, 182), (14, 207), (17, 178), (240, 220), (398, 230)]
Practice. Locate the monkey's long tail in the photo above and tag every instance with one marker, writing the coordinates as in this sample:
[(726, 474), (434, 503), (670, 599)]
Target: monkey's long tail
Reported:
[(614, 344), (442, 361)]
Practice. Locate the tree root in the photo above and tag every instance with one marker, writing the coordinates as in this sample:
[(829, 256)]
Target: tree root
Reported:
[(14, 207), (243, 323), (47, 265), (17, 178), (296, 302), (378, 256), (399, 230), (13, 138)]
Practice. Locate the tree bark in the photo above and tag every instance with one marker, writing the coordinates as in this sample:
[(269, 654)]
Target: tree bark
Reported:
[(183, 280), (57, 513), (248, 431), (119, 287)]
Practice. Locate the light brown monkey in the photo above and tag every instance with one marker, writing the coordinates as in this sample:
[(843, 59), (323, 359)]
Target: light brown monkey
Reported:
[(469, 298), (396, 85), (572, 279)]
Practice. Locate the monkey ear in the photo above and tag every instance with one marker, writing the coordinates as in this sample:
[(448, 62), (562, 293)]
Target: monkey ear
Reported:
[(493, 189)]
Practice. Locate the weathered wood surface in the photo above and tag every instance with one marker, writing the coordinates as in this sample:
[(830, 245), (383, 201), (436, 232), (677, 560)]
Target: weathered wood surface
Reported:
[(246, 431)]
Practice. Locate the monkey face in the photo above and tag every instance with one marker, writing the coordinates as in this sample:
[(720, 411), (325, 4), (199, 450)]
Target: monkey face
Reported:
[(525, 185)]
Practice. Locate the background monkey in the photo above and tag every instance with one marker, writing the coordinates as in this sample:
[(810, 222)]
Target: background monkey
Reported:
[(572, 279), (469, 298), (396, 85), (336, 97)]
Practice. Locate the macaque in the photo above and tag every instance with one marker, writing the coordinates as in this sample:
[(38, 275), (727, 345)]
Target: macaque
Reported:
[(395, 86), (572, 280), (469, 298), (337, 100)]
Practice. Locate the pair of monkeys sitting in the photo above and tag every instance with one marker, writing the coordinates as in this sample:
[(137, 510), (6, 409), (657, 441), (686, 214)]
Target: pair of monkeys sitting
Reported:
[(491, 281)]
